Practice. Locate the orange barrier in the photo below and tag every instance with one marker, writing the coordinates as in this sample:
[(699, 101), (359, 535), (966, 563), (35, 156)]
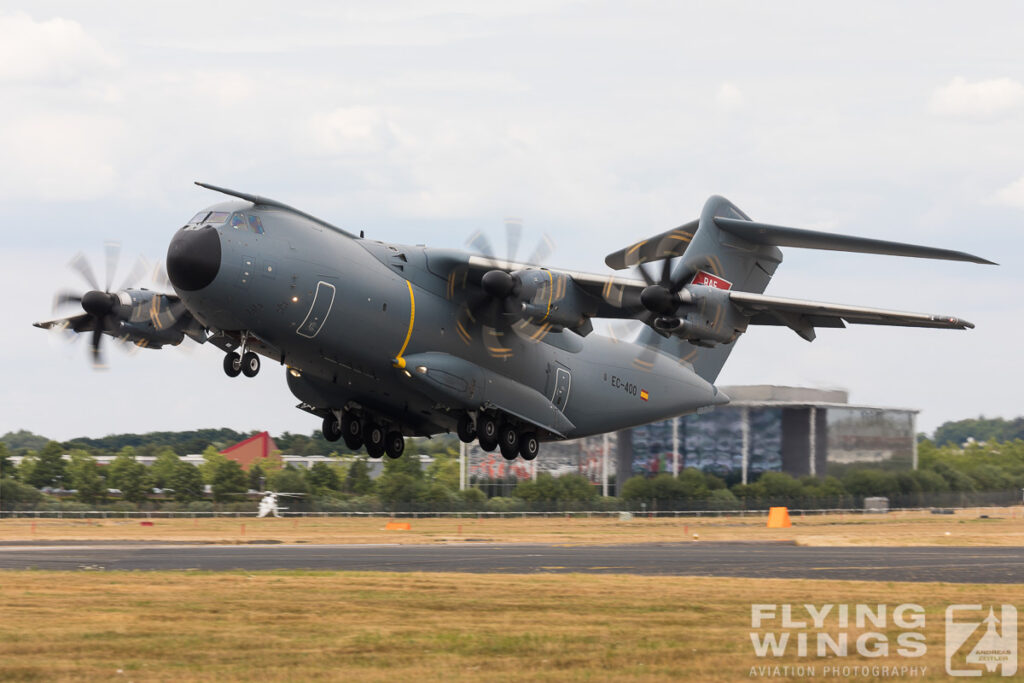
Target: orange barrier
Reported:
[(778, 518), (398, 526)]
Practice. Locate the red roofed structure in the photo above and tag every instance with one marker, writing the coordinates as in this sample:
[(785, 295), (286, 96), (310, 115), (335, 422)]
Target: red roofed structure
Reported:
[(252, 450)]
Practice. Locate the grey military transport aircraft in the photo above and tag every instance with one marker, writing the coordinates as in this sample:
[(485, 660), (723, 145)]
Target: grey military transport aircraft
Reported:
[(383, 341)]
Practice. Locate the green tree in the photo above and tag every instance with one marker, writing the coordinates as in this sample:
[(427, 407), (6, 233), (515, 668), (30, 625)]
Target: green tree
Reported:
[(163, 467), (15, 495), (321, 478), (289, 480), (6, 469), (47, 467), (84, 476), (445, 470), (228, 480), (637, 489), (693, 484), (358, 479), (186, 481), (212, 460), (129, 475), (408, 463), (398, 488), (257, 477), (575, 488)]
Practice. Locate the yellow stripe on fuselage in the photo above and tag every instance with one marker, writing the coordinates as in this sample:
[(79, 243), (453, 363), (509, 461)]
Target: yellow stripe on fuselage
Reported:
[(412, 319)]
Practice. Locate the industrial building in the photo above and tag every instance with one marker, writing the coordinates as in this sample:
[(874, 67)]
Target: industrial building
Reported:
[(795, 430)]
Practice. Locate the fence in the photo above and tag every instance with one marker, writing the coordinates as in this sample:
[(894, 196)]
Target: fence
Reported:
[(481, 514)]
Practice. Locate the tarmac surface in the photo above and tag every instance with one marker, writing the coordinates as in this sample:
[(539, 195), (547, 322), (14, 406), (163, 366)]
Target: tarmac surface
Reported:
[(756, 560)]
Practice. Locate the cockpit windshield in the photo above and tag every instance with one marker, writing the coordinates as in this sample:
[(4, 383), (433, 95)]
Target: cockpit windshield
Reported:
[(209, 218)]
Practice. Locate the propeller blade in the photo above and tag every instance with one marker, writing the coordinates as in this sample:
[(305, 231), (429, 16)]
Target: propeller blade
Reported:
[(63, 298), (135, 275), (80, 264), (542, 252), (113, 252), (646, 276), (97, 353), (513, 233), (160, 278), (482, 245), (666, 272)]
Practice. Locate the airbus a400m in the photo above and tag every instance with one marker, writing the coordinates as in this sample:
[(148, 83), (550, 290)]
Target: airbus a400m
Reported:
[(383, 341)]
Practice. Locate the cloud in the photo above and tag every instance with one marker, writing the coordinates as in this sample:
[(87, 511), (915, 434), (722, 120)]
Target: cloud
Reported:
[(59, 157), (1012, 194), (980, 100), (729, 98), (52, 52)]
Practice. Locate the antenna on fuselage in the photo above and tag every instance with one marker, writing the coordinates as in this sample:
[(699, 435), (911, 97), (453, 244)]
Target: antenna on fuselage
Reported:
[(264, 201)]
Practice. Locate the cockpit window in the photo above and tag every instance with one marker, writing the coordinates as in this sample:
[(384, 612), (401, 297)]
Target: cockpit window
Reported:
[(199, 217), (255, 224), (217, 217), (237, 221)]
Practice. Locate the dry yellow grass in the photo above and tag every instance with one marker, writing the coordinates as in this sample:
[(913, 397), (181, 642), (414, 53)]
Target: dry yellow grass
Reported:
[(297, 626), (1005, 526)]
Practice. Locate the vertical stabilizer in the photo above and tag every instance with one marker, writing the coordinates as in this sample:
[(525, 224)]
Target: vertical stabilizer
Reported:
[(723, 260)]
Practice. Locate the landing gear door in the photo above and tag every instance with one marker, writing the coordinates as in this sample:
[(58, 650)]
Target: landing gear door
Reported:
[(560, 383), (318, 311)]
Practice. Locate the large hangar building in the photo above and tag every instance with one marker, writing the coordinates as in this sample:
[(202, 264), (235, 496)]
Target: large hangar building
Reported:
[(795, 430)]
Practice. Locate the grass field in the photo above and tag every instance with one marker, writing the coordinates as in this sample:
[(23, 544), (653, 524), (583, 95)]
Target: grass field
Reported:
[(1004, 526), (300, 626)]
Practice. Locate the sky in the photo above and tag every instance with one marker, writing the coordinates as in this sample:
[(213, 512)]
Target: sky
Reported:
[(597, 123)]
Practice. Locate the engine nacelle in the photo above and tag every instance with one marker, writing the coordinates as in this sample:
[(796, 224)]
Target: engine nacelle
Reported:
[(708, 318), (551, 298)]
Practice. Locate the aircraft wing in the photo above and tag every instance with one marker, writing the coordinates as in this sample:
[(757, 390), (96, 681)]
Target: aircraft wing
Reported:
[(803, 316), (76, 323)]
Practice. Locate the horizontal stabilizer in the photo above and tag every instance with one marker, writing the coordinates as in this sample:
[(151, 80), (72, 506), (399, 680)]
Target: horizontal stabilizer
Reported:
[(778, 236), (668, 244)]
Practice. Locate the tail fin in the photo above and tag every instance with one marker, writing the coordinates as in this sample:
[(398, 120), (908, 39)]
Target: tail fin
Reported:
[(720, 259)]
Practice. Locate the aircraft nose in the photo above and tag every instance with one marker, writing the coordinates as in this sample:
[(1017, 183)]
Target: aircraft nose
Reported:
[(193, 258)]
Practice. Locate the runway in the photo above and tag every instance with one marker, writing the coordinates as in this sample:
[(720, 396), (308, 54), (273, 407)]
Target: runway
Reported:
[(755, 560)]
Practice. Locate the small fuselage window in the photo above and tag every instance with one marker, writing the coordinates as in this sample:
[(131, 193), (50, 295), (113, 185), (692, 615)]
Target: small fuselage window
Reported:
[(255, 224)]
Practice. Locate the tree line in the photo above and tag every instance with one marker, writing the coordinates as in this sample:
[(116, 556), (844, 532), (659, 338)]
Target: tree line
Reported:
[(945, 473)]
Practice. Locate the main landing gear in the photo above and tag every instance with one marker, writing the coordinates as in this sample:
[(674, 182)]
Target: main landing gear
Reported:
[(358, 433), (492, 430)]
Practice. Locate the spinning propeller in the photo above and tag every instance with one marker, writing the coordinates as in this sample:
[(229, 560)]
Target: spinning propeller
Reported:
[(132, 315)]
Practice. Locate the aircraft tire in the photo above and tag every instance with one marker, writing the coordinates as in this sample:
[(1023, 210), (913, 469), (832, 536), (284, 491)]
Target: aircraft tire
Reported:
[(373, 437), (351, 431), (331, 428), (250, 364), (232, 364), (486, 444), (508, 441), (487, 427), (466, 429), (529, 446), (394, 444)]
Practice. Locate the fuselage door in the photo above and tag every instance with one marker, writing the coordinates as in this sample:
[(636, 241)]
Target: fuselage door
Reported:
[(318, 312), (562, 385)]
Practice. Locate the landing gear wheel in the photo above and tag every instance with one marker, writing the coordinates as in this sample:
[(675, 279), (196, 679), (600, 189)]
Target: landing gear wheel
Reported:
[(331, 428), (467, 429), (352, 431), (250, 364), (373, 435), (508, 440), (487, 444), (232, 364), (529, 446), (394, 444)]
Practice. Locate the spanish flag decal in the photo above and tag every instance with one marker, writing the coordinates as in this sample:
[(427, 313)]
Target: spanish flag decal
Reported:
[(643, 394)]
